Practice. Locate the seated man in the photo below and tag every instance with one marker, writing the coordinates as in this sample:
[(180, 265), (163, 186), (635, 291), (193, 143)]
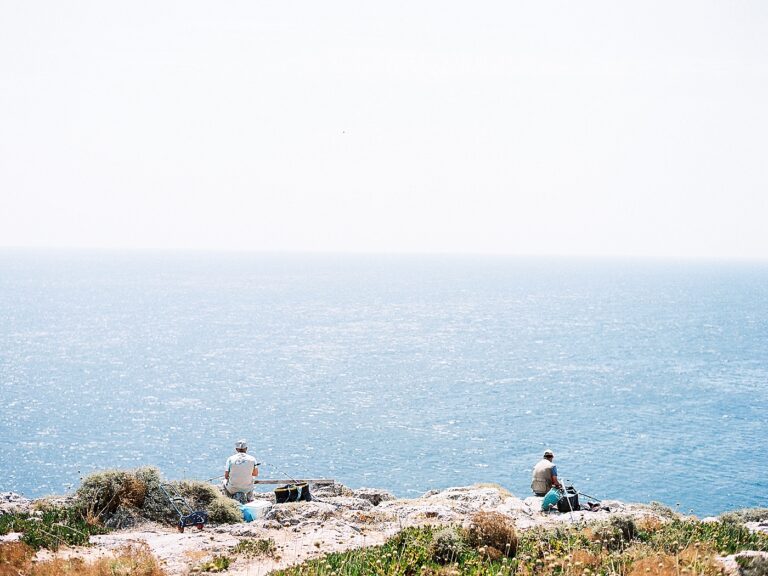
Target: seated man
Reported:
[(545, 475), (240, 470)]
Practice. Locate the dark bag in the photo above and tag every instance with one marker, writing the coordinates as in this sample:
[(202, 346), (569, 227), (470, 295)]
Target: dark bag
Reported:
[(293, 493), (287, 493), (304, 494), (569, 500)]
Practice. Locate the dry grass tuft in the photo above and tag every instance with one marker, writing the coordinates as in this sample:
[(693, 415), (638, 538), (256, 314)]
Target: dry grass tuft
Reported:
[(657, 564), (695, 559), (649, 524), (493, 530), (586, 558), (14, 558)]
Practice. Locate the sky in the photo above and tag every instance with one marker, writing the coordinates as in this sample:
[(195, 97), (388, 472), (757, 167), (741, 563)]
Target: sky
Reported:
[(503, 127)]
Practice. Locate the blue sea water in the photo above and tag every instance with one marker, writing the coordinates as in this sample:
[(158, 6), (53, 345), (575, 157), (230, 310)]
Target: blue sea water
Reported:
[(647, 379)]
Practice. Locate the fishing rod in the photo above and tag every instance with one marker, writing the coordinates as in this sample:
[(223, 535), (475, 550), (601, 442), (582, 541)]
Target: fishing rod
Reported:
[(590, 497), (279, 471), (222, 475)]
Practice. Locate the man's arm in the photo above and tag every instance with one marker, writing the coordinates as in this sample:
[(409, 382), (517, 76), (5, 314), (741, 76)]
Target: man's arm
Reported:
[(555, 481), (255, 471)]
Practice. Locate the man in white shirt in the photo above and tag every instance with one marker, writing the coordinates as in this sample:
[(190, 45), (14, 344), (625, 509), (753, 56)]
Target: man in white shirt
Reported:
[(239, 472)]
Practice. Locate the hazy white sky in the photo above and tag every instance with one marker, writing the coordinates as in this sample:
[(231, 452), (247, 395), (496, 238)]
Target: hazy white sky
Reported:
[(556, 127)]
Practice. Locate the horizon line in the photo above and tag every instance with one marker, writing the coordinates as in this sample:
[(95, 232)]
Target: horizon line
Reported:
[(387, 253)]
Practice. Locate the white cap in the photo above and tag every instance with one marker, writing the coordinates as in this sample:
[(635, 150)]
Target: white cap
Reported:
[(548, 453), (241, 445)]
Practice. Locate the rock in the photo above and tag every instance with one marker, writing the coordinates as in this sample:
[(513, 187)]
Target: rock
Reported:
[(293, 513), (346, 503), (13, 503), (246, 531), (415, 513), (373, 495), (327, 490), (757, 527)]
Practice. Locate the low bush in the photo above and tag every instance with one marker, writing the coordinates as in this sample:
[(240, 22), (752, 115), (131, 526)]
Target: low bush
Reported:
[(493, 531)]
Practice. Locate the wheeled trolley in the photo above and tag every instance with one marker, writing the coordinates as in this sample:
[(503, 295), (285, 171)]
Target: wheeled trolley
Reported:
[(187, 516)]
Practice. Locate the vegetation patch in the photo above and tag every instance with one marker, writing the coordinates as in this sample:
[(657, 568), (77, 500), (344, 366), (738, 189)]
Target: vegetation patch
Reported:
[(638, 548), (51, 528), (120, 498)]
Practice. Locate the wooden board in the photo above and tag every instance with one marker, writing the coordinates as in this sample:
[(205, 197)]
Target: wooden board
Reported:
[(318, 481)]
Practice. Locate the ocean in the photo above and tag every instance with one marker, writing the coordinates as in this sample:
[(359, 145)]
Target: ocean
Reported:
[(648, 379)]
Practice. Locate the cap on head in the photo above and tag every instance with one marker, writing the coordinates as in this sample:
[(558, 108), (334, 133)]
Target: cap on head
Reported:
[(548, 453), (241, 445)]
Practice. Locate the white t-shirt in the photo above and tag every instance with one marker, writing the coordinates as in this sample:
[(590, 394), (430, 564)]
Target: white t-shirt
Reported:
[(240, 467)]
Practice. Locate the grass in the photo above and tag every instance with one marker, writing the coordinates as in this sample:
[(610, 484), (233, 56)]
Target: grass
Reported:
[(253, 547), (619, 547)]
